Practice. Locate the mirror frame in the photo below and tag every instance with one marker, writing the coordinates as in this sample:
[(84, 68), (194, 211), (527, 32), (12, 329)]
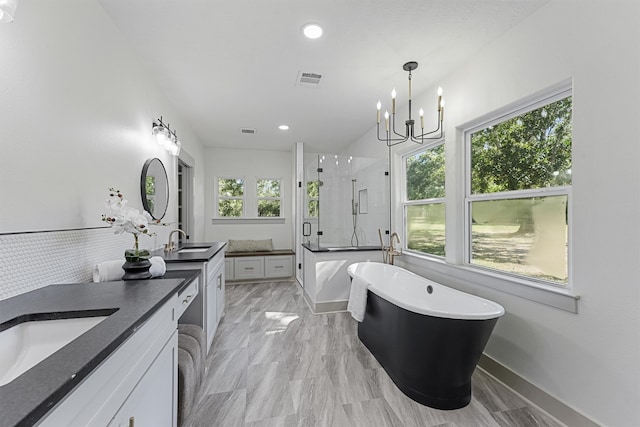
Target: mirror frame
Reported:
[(143, 187)]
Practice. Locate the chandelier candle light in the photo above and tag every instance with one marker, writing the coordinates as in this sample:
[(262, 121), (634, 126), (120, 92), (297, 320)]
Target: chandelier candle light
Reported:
[(392, 137)]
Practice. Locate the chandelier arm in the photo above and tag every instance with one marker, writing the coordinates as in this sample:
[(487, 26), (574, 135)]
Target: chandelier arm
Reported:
[(393, 122), (439, 128), (423, 137), (402, 139), (396, 143)]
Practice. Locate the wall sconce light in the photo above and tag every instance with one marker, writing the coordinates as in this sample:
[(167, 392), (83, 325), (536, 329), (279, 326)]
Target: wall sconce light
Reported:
[(7, 10), (165, 136)]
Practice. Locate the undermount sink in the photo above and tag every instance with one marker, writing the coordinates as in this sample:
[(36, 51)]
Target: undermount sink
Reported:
[(191, 250), (27, 344)]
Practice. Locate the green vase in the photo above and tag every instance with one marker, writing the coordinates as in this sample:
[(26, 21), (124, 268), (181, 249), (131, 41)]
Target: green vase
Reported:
[(137, 264)]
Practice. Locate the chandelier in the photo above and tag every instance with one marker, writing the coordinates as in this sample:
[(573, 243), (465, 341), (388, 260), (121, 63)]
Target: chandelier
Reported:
[(392, 136)]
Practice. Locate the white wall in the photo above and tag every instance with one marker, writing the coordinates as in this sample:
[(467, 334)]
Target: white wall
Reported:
[(76, 110), (588, 360), (250, 164)]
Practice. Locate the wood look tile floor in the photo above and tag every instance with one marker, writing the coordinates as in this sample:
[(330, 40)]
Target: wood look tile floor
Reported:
[(274, 363)]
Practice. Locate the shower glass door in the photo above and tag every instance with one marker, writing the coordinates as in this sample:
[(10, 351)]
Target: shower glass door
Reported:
[(346, 199)]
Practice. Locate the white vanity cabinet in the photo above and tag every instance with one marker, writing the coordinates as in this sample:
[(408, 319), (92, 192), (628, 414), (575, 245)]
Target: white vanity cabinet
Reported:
[(215, 296), (139, 381), (208, 305), (150, 403)]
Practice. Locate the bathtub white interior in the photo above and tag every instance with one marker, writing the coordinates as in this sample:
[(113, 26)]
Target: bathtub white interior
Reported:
[(409, 291)]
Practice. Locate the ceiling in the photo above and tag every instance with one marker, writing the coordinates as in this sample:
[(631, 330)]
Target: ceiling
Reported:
[(227, 65)]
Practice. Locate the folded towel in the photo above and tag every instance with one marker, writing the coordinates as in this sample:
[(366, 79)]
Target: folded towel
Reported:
[(186, 385), (108, 271), (196, 332), (358, 298), (190, 344)]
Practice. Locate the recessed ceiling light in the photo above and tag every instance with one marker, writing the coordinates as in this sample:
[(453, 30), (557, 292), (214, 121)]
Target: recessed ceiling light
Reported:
[(283, 127), (312, 31)]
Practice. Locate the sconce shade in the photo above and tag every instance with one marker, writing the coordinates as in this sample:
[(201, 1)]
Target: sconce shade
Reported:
[(7, 10), (165, 136), (161, 133)]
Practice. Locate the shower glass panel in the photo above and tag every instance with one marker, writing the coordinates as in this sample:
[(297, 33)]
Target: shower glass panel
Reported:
[(347, 199)]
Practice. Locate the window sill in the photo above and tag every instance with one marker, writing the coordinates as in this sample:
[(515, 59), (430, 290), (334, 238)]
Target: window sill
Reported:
[(264, 220), (471, 277)]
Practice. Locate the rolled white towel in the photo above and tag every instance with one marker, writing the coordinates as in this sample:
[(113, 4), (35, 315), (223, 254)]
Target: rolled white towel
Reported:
[(108, 271), (158, 266)]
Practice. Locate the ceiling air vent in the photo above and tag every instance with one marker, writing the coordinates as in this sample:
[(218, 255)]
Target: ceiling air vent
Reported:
[(247, 131), (308, 79)]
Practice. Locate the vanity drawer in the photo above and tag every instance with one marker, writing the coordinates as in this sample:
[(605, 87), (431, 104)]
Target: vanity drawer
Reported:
[(186, 297), (248, 268), (278, 266)]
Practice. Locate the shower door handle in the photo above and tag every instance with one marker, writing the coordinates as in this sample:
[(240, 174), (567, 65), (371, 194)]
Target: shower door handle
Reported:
[(306, 229)]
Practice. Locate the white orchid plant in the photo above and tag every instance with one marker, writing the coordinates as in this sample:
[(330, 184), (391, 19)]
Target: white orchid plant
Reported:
[(130, 220)]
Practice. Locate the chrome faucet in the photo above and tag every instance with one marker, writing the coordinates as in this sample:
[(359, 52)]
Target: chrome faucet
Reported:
[(171, 246)]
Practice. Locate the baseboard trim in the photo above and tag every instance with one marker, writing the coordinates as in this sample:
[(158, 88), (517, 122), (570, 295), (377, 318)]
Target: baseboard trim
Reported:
[(330, 307), (554, 407), (324, 307)]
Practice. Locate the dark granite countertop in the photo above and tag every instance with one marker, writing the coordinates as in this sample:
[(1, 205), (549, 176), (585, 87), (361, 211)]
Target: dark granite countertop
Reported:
[(315, 248), (204, 256), (29, 397)]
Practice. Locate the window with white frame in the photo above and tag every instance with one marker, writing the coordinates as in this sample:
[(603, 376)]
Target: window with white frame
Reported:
[(269, 198), (518, 188), (231, 197), (312, 205), (424, 203)]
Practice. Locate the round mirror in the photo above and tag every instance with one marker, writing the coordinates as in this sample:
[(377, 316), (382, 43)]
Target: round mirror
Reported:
[(154, 188)]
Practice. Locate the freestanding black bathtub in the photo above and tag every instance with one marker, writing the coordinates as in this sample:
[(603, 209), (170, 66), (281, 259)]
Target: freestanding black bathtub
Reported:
[(426, 336)]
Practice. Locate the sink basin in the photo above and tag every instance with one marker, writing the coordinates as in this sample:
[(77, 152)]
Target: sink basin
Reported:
[(191, 250), (27, 344)]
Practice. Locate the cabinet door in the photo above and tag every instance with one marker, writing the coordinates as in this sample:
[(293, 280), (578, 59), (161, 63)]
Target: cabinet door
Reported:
[(220, 290), (212, 308), (228, 268), (153, 400)]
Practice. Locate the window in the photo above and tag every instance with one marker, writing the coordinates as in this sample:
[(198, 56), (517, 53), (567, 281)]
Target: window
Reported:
[(518, 188), (424, 206), (313, 199), (230, 197), (268, 197)]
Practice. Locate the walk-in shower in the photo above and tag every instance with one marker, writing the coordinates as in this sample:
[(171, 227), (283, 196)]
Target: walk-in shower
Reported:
[(346, 200), (354, 213)]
